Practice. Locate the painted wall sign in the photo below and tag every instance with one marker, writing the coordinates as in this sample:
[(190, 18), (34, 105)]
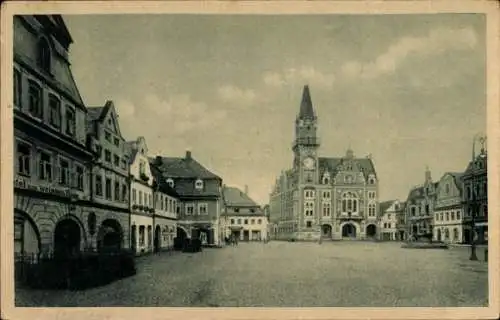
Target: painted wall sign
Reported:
[(23, 183)]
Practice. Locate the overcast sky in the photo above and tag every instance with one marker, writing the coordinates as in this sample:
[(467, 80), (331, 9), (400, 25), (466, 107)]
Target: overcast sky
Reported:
[(408, 89)]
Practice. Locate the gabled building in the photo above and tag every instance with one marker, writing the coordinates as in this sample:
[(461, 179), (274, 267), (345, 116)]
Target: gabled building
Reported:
[(420, 208), (52, 206), (242, 218), (475, 197), (109, 176), (448, 213), (328, 197), (402, 230), (141, 197), (200, 193), (388, 220), (167, 206)]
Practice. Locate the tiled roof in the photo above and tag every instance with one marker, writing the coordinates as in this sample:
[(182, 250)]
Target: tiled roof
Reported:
[(94, 113), (383, 206), (160, 183), (331, 165), (234, 197), (457, 176), (174, 167)]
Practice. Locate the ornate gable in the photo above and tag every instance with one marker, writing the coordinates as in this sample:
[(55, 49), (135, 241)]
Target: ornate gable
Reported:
[(110, 120)]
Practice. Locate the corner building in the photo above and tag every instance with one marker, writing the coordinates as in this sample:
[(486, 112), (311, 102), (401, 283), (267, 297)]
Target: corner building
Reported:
[(323, 197)]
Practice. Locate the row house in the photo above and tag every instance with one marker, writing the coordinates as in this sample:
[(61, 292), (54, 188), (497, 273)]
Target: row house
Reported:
[(167, 206), (448, 213), (401, 222), (475, 197), (388, 219), (420, 208), (109, 176), (199, 190), (53, 213), (141, 197), (242, 218)]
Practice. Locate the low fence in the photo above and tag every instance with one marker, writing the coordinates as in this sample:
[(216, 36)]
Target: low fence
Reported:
[(73, 271)]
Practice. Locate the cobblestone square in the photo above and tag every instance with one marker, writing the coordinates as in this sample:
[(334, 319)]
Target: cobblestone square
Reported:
[(284, 274)]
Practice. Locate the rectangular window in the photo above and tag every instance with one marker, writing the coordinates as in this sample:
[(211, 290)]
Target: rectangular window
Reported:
[(107, 136), (203, 208), (107, 155), (134, 196), (452, 215), (70, 121), (239, 221), (35, 100), (308, 224), (166, 206), (189, 209), (17, 88), (259, 221), (246, 221), (98, 185), (117, 142), (124, 164), (54, 111), (45, 170), (150, 203), (252, 221), (124, 192), (116, 160), (108, 189), (64, 172), (458, 215), (141, 235), (80, 172), (140, 197), (117, 191)]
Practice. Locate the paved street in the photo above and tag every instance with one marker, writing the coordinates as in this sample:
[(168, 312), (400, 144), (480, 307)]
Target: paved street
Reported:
[(334, 274)]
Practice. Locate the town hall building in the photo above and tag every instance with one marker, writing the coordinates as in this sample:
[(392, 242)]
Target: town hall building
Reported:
[(323, 197)]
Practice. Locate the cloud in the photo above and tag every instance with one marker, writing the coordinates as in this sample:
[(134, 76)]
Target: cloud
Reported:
[(230, 93), (299, 76), (437, 41), (154, 114)]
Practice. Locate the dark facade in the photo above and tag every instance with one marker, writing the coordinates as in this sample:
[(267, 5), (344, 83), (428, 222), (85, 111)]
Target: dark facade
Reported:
[(52, 204), (199, 191), (109, 177), (475, 198)]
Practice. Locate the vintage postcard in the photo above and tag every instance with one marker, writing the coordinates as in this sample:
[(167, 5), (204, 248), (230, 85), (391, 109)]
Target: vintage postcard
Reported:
[(253, 159)]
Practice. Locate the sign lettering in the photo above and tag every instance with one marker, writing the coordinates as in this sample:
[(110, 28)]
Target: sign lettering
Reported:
[(25, 184)]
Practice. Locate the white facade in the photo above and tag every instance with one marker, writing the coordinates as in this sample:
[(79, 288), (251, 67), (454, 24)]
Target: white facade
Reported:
[(388, 222), (448, 214), (141, 198), (166, 218), (252, 227)]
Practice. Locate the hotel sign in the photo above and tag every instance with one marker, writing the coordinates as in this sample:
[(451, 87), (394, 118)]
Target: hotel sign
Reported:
[(26, 184)]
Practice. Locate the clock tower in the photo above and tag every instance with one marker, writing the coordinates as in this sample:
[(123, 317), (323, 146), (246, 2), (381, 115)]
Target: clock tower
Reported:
[(306, 142)]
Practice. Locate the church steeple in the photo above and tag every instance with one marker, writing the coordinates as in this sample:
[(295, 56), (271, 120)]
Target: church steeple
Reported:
[(306, 107)]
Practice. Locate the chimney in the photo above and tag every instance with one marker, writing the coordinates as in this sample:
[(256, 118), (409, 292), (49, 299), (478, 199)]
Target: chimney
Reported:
[(188, 155), (246, 190), (158, 161)]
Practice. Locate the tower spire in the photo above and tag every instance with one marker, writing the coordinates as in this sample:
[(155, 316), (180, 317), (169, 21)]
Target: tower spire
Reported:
[(306, 107)]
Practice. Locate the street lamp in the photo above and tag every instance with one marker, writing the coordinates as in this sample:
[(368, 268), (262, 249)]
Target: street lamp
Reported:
[(474, 206)]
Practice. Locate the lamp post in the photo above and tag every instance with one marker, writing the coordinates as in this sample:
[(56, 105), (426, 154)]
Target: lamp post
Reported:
[(473, 204)]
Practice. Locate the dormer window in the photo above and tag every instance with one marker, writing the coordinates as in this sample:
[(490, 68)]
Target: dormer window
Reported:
[(371, 181), (170, 182), (44, 59), (326, 179), (198, 184)]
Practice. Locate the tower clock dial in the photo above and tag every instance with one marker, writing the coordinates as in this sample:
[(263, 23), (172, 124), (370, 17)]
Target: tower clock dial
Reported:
[(308, 163)]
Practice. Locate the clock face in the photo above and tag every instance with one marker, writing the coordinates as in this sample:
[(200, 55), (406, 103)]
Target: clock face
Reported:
[(309, 163)]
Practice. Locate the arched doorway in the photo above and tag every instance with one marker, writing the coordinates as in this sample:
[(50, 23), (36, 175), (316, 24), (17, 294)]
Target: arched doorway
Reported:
[(371, 231), (133, 238), (349, 231), (67, 237), (110, 236), (439, 235), (157, 241), (180, 238), (326, 231)]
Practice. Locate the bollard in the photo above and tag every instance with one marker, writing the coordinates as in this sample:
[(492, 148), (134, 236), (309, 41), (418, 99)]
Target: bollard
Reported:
[(486, 254)]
